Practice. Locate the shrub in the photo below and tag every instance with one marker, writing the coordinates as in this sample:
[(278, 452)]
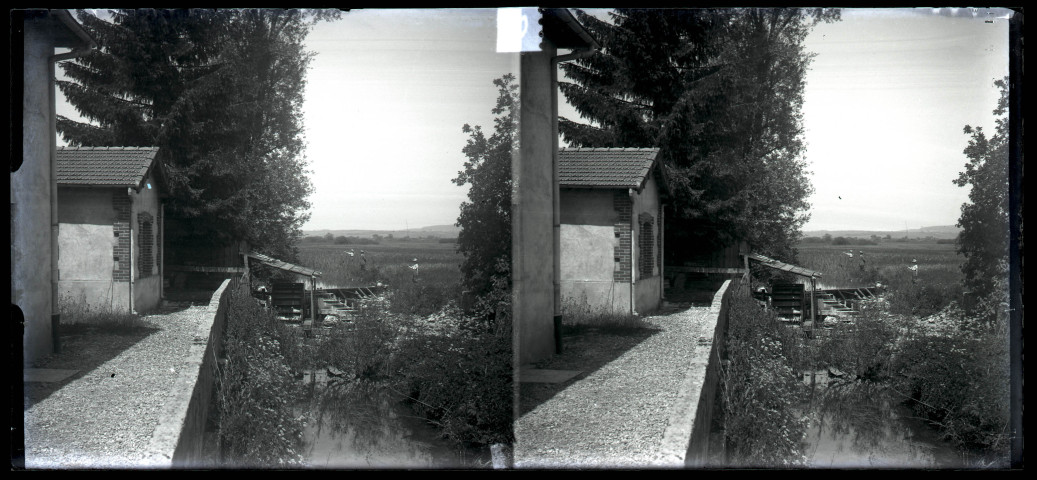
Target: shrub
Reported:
[(257, 390), (959, 380), (462, 381), (760, 390), (455, 373), (922, 299), (862, 348)]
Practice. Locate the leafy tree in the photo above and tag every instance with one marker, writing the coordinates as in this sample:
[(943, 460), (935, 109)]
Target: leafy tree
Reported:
[(719, 91), (983, 240), (485, 219), (219, 91)]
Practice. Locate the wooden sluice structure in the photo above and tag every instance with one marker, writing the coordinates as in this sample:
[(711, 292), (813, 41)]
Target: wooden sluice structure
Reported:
[(845, 301), (338, 301), (796, 302), (295, 304)]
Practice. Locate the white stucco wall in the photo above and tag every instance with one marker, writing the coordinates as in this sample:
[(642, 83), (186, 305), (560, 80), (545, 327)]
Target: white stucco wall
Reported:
[(588, 245), (87, 243), (588, 249)]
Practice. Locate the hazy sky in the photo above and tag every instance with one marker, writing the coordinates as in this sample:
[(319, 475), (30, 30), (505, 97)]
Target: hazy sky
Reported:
[(885, 101), (386, 97)]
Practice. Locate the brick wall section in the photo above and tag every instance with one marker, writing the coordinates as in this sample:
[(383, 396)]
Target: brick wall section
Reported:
[(624, 209), (121, 229)]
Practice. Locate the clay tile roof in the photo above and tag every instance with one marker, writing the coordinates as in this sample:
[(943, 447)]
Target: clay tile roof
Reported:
[(104, 166), (605, 167)]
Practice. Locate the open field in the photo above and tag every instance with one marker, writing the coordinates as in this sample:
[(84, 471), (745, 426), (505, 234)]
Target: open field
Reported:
[(939, 274), (886, 263), (438, 276)]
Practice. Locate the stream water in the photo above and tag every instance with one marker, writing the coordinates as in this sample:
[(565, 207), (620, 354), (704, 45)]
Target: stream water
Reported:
[(375, 431), (863, 426)]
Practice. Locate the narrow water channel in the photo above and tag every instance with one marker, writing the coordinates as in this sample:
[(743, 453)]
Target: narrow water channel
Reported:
[(376, 431), (860, 425)]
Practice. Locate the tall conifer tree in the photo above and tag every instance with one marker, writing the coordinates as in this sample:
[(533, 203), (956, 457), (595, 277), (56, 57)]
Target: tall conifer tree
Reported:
[(220, 93), (719, 91)]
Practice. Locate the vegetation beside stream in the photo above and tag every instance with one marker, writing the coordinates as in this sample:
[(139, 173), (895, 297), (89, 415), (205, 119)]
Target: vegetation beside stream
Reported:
[(949, 369), (412, 346)]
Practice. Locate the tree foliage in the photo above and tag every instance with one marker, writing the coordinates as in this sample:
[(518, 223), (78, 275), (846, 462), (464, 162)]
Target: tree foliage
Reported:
[(719, 91), (983, 240), (220, 92), (485, 219)]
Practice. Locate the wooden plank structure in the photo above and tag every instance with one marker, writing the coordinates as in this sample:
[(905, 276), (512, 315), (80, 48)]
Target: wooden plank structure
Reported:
[(790, 292), (338, 301), (842, 301), (286, 297), (289, 292), (787, 300)]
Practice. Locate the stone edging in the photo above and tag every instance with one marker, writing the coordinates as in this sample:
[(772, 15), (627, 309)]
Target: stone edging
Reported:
[(174, 418)]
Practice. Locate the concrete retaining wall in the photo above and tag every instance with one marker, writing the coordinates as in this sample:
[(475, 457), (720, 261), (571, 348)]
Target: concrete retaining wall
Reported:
[(698, 446), (178, 439)]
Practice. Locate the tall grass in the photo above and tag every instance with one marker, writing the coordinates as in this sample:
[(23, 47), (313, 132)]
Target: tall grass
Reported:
[(760, 390), (939, 276), (578, 316), (78, 316)]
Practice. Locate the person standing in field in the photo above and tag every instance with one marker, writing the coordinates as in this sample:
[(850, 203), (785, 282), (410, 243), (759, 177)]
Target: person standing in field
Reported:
[(363, 261), (860, 253), (914, 270), (415, 268)]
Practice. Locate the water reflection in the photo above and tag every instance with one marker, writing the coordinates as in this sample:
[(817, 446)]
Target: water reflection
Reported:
[(360, 425), (863, 425)]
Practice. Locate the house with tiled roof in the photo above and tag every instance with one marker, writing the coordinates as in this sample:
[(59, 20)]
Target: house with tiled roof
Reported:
[(110, 229), (611, 229)]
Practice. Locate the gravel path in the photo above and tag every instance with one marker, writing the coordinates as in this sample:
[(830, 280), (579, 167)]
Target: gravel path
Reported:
[(106, 417), (629, 413)]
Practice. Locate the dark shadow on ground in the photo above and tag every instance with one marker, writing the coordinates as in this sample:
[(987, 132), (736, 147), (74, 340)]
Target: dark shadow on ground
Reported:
[(587, 349), (584, 348), (86, 347)]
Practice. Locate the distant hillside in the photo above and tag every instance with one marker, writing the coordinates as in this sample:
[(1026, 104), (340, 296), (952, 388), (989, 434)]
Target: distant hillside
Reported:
[(438, 231), (941, 232)]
